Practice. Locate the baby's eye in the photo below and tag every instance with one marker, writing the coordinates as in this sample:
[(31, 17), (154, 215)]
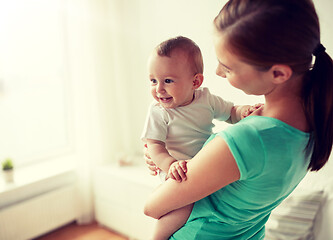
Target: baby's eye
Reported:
[(168, 81), (153, 81)]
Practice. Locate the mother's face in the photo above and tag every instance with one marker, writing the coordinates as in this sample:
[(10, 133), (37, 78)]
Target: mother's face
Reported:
[(240, 74)]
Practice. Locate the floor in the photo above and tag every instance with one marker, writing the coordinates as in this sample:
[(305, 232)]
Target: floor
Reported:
[(82, 232)]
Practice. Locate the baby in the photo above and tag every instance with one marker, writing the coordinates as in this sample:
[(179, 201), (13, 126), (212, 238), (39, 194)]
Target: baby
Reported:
[(180, 120)]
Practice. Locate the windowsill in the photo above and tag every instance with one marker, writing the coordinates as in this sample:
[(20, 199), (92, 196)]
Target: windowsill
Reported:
[(35, 180), (136, 173)]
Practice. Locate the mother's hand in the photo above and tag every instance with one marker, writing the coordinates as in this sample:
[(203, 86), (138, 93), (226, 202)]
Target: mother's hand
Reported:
[(153, 169)]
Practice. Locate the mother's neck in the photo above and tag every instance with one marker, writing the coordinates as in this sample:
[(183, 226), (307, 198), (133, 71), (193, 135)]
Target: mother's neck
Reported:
[(285, 103)]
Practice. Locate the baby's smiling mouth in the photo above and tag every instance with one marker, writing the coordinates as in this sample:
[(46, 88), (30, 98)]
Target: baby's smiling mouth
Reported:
[(164, 100)]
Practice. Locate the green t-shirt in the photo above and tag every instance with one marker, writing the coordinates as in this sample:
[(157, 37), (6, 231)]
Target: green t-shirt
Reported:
[(271, 159)]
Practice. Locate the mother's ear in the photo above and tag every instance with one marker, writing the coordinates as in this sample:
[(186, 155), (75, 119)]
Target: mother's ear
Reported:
[(281, 73), (197, 80)]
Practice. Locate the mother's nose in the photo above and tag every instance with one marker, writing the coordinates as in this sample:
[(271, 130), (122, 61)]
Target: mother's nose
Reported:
[(220, 72)]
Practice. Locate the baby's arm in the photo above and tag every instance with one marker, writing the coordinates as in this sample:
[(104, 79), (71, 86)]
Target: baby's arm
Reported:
[(159, 154), (155, 149), (240, 112), (236, 113)]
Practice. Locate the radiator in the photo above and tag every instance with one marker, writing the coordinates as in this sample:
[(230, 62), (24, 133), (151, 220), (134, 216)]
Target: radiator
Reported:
[(120, 194), (38, 215)]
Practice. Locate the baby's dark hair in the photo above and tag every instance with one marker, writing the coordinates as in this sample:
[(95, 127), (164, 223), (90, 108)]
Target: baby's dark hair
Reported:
[(189, 47)]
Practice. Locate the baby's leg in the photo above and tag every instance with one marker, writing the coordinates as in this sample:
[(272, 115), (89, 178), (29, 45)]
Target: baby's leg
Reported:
[(171, 222)]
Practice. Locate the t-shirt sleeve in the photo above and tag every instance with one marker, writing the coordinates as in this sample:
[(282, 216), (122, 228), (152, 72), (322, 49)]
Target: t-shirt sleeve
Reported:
[(221, 107), (246, 146), (156, 126)]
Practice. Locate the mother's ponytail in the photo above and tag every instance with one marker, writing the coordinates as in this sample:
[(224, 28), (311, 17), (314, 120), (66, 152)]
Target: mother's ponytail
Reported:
[(318, 106)]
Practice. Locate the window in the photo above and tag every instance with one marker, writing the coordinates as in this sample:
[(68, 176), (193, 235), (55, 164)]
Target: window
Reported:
[(34, 109)]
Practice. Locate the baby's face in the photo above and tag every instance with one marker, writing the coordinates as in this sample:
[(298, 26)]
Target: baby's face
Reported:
[(171, 79)]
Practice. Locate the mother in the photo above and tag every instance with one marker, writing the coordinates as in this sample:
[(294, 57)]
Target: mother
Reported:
[(264, 47)]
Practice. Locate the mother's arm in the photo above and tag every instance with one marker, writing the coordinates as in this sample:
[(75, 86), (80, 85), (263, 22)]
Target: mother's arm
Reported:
[(211, 169)]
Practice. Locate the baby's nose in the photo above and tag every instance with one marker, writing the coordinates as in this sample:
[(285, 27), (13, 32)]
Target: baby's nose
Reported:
[(160, 88)]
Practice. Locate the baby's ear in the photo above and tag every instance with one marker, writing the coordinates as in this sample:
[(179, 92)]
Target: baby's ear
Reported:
[(197, 80)]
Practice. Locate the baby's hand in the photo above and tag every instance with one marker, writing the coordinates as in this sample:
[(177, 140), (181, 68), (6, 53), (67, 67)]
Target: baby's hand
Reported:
[(177, 170), (248, 111)]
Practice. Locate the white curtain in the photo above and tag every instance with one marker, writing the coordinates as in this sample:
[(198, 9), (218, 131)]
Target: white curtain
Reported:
[(110, 96), (84, 89)]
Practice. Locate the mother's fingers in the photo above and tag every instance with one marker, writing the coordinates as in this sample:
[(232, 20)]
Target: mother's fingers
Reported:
[(146, 152), (153, 172), (149, 162), (153, 169)]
